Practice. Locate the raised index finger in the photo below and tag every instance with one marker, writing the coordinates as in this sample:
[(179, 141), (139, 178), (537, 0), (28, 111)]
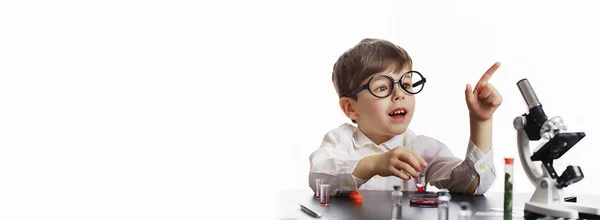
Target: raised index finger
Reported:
[(487, 75)]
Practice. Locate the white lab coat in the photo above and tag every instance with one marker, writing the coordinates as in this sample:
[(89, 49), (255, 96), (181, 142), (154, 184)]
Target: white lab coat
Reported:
[(343, 147)]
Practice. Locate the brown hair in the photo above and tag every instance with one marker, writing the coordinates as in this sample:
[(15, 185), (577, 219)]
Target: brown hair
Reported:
[(370, 56)]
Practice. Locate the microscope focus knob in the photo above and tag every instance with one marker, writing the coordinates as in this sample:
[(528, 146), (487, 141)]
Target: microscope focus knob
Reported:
[(519, 122)]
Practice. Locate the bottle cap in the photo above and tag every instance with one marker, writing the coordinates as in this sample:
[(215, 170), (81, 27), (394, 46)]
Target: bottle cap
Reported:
[(508, 160), (397, 187)]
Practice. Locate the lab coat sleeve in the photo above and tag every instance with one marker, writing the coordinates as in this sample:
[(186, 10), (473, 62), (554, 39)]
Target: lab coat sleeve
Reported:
[(454, 174)]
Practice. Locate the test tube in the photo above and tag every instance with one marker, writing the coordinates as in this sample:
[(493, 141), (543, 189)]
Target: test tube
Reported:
[(420, 181), (443, 204), (318, 184), (465, 211), (324, 193), (508, 187), (397, 203)]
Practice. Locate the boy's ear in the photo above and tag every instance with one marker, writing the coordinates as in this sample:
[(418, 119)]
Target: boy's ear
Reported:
[(346, 105)]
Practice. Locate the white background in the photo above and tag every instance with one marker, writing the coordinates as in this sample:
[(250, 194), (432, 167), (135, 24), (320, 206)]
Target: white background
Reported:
[(176, 110)]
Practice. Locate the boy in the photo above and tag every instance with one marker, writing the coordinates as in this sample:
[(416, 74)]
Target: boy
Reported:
[(377, 89)]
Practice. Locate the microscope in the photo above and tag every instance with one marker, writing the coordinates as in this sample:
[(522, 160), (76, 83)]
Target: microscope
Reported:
[(548, 198)]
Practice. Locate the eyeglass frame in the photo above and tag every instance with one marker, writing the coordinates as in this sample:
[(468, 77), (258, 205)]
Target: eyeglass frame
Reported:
[(395, 82)]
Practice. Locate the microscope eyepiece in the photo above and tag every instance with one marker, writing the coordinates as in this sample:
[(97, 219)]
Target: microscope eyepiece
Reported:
[(536, 117), (528, 93)]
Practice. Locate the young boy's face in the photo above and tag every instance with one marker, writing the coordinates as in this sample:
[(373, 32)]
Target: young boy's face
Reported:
[(377, 117)]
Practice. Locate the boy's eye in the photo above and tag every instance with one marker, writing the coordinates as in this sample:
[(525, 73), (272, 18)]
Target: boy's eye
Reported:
[(407, 85), (381, 89)]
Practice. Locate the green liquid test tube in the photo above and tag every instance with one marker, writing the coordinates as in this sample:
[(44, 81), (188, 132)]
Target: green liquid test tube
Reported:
[(508, 188)]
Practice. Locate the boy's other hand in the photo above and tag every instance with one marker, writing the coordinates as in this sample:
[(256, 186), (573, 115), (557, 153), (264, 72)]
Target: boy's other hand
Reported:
[(484, 99), (399, 162)]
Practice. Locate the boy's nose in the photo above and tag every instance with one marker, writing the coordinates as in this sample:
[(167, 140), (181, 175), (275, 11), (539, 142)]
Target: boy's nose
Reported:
[(399, 97), (398, 94)]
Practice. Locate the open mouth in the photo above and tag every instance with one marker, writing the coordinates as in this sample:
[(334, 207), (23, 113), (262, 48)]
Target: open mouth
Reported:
[(399, 113)]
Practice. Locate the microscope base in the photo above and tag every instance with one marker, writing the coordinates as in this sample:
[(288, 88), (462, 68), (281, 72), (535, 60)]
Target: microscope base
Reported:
[(549, 201), (555, 212)]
